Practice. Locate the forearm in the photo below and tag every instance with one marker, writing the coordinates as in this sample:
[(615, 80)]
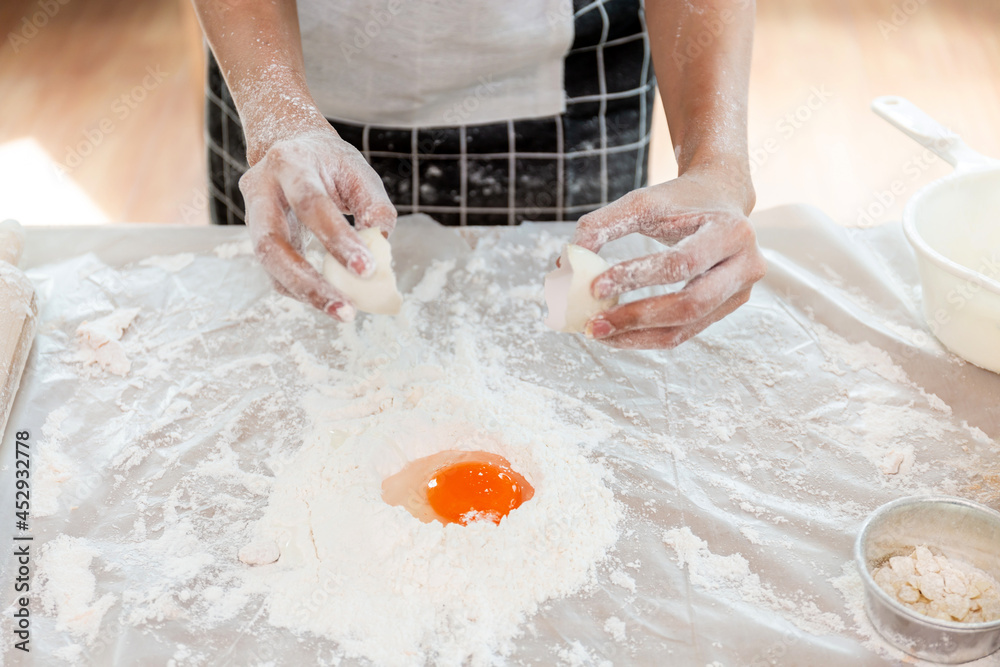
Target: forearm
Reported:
[(259, 50), (701, 51)]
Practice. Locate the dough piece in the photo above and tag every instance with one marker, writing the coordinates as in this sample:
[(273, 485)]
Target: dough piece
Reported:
[(259, 552), (376, 294), (100, 341), (567, 290), (892, 462), (940, 587)]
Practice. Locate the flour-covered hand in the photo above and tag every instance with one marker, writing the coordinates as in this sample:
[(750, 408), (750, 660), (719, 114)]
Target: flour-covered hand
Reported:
[(310, 180), (712, 247)]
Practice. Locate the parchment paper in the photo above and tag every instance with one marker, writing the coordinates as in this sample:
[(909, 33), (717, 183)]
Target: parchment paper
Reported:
[(758, 436)]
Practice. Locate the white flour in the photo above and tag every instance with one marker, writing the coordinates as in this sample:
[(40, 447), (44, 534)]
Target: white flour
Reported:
[(53, 467), (615, 627), (731, 577), (386, 586), (850, 586), (234, 249), (169, 263), (100, 341), (67, 586)]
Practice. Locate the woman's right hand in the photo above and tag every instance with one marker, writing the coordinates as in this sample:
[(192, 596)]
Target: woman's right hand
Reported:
[(302, 174), (310, 180)]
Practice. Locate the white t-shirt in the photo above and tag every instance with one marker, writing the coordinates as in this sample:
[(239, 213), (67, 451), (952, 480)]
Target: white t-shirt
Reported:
[(423, 63)]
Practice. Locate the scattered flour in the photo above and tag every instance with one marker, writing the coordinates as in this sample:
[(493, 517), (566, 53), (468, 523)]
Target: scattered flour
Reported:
[(71, 653), (179, 563), (169, 263), (434, 280), (53, 468), (859, 356), (66, 586), (234, 249), (852, 589), (100, 341), (621, 578), (865, 356), (615, 627), (752, 535), (577, 655), (730, 576)]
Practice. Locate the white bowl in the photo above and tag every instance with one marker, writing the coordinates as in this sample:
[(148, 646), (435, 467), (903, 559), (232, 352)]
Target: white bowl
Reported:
[(953, 225)]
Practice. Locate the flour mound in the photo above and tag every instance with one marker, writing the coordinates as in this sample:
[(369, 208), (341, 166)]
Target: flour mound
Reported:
[(382, 584)]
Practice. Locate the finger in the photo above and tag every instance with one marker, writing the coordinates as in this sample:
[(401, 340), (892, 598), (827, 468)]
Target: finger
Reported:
[(638, 212), (297, 235), (361, 189), (269, 233), (280, 289), (671, 337), (307, 196), (715, 241), (302, 281), (619, 218), (696, 300)]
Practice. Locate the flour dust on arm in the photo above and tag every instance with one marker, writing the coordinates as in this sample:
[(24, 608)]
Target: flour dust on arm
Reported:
[(702, 214), (302, 175)]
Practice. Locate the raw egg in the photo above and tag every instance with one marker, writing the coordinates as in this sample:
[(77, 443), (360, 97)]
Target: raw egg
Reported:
[(458, 487)]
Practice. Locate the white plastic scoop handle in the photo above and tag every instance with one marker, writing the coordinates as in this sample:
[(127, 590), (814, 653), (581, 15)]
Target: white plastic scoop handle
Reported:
[(929, 133)]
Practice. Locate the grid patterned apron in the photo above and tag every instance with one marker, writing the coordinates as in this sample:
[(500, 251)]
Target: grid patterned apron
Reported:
[(544, 169)]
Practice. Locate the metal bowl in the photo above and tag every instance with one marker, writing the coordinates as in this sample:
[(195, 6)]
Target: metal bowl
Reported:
[(956, 528)]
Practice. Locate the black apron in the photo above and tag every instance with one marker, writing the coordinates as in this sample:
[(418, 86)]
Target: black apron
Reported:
[(552, 168)]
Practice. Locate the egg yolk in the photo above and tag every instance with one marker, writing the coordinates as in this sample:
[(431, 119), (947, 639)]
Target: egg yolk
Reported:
[(473, 490)]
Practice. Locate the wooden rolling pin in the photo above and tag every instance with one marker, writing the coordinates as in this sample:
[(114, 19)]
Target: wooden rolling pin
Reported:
[(18, 316)]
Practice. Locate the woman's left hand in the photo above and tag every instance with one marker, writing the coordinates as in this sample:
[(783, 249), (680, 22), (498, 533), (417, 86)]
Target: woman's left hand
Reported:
[(702, 217)]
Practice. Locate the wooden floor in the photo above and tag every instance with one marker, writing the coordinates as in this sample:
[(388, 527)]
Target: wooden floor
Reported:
[(77, 92), (112, 91)]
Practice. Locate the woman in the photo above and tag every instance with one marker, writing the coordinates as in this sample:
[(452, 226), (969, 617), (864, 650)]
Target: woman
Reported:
[(490, 113)]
